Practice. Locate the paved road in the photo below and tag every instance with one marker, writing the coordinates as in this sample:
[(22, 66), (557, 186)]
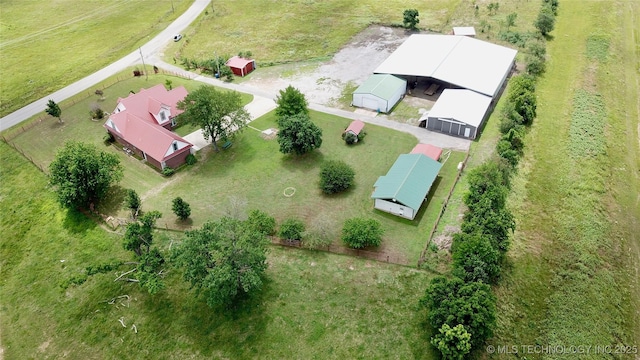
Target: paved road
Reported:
[(149, 50)]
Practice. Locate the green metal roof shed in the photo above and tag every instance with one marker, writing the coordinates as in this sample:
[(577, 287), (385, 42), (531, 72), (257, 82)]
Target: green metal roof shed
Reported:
[(380, 92), (406, 185)]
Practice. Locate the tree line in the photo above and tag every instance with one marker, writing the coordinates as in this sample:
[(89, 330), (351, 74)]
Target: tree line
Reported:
[(461, 306)]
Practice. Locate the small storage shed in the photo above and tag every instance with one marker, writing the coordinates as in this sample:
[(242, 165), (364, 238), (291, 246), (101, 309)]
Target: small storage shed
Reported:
[(241, 66), (464, 31), (380, 92), (406, 185), (429, 150), (458, 112), (355, 127)]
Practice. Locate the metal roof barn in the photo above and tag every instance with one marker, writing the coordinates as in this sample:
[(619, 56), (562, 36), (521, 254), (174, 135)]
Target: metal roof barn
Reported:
[(380, 92), (461, 61), (458, 112), (405, 187)]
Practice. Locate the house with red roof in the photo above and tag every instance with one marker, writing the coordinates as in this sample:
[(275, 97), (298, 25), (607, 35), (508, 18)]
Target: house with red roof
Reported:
[(141, 123), (241, 66)]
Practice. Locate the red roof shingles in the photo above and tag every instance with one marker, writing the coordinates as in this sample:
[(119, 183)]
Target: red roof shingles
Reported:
[(431, 151)]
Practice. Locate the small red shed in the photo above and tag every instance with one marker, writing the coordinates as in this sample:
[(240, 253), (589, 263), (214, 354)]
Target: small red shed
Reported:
[(241, 66)]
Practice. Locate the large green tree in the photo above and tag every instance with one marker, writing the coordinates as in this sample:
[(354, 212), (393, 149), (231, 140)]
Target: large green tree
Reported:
[(298, 135), (453, 301), (475, 258), (291, 102), (54, 110), (220, 114), (82, 174), (223, 260)]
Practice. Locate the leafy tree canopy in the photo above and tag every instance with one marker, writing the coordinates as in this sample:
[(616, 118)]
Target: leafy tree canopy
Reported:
[(220, 114), (82, 175), (359, 233), (475, 259), (132, 202), (53, 109), (336, 176), (223, 260), (454, 343), (292, 229), (546, 20), (291, 102), (298, 135), (181, 208), (453, 301)]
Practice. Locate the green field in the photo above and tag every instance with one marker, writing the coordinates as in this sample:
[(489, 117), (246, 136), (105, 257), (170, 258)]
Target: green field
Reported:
[(306, 310), (576, 252), (571, 277), (47, 45)]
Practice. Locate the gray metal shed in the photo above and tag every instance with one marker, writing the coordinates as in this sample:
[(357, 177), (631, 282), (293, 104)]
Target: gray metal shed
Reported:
[(458, 112)]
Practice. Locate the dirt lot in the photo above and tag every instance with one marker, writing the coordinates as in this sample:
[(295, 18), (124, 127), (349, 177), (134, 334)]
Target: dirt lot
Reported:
[(324, 82)]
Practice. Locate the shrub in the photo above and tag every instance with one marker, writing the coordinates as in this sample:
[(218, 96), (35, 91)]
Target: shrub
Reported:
[(291, 229), (167, 171), (336, 176), (535, 66), (191, 159), (108, 138), (350, 138), (96, 112), (454, 343), (133, 202), (262, 222), (475, 259), (359, 233), (546, 20), (181, 208), (454, 302)]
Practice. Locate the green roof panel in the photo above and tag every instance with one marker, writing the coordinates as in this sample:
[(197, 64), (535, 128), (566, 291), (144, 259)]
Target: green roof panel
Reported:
[(383, 86), (408, 181)]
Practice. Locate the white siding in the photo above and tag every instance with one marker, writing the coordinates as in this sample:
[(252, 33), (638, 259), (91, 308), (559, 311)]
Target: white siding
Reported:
[(395, 208)]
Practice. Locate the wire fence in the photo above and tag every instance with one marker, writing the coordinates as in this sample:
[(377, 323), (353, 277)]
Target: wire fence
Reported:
[(442, 210)]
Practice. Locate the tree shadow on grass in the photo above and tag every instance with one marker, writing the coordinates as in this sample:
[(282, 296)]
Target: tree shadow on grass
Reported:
[(76, 222), (231, 330), (306, 162), (113, 201)]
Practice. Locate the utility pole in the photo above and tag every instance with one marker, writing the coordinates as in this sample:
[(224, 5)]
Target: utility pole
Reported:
[(143, 64)]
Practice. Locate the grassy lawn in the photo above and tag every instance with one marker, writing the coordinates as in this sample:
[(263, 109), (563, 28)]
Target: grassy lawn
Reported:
[(254, 170), (307, 308), (46, 45), (41, 142), (296, 30), (573, 278)]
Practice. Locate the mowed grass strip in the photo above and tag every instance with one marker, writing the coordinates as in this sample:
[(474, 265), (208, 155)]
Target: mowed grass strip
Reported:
[(313, 305), (46, 45), (570, 282)]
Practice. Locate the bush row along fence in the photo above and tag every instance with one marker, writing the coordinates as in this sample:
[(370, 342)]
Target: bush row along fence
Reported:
[(442, 210), (337, 249)]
